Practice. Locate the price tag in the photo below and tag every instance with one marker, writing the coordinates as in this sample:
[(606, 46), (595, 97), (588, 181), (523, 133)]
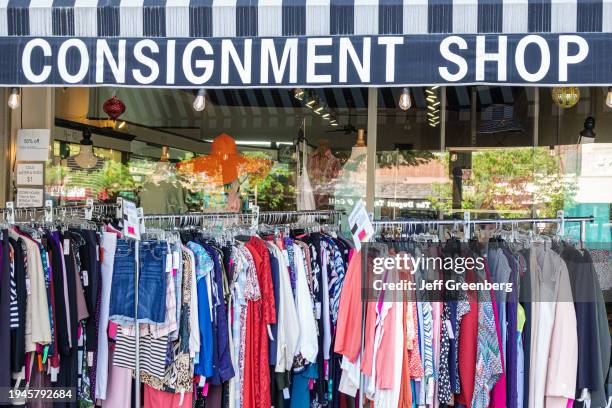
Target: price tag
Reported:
[(49, 211), (176, 262), (168, 263), (85, 278), (10, 212), (28, 286), (255, 220), (89, 209), (140, 211), (318, 310), (66, 247), (286, 394), (119, 213)]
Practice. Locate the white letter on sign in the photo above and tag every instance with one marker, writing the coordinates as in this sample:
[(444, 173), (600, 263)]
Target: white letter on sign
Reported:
[(482, 56), (61, 60), (544, 58), (269, 57), (362, 67), (312, 59), (207, 65), (565, 59), (26, 60), (244, 69), (452, 57), (146, 61)]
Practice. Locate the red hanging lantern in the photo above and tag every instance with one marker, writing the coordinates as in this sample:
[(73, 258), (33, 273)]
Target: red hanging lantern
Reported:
[(114, 107)]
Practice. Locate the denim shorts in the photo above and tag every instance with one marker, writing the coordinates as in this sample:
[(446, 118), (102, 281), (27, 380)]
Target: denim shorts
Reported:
[(151, 283)]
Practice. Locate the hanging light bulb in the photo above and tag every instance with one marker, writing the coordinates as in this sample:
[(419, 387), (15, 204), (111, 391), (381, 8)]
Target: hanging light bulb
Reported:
[(199, 103), (14, 100), (298, 93), (404, 101), (609, 97)]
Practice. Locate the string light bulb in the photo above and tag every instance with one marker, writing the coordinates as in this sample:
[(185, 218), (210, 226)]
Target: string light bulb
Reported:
[(298, 93), (14, 100), (404, 101), (609, 97), (199, 103)]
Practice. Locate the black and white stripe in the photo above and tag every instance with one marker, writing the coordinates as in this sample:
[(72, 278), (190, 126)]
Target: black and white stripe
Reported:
[(152, 353), (13, 305), (278, 18)]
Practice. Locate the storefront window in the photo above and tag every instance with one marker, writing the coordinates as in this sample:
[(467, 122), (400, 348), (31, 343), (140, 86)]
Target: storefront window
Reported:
[(490, 159), (277, 133), (494, 151)]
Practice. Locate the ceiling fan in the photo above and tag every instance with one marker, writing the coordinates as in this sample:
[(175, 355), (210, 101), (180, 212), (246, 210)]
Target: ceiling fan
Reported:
[(347, 129)]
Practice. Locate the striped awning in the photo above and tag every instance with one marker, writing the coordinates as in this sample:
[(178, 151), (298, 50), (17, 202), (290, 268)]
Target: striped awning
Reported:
[(281, 18)]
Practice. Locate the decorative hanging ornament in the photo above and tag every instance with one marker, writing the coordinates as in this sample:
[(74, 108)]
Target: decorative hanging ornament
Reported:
[(566, 96), (114, 107)]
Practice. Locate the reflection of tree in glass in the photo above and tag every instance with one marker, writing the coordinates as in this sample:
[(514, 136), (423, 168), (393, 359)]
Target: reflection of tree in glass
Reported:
[(275, 191), (103, 184), (512, 182), (116, 177)]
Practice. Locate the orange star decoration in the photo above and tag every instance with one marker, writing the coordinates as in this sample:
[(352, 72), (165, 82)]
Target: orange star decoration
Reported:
[(225, 164)]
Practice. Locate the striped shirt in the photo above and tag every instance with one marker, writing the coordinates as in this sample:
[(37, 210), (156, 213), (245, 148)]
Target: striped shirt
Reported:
[(152, 353), (14, 309)]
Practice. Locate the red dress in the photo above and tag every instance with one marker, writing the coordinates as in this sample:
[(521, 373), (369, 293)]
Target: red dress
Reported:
[(468, 338), (260, 313)]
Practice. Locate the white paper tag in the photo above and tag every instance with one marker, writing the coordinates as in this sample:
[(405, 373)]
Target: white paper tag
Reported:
[(449, 329), (202, 381), (28, 286), (175, 261), (286, 394), (85, 278), (66, 247), (54, 372), (97, 252), (318, 310), (90, 358), (168, 263)]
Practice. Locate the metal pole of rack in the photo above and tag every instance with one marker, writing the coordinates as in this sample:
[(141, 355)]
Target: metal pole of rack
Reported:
[(582, 220), (136, 325)]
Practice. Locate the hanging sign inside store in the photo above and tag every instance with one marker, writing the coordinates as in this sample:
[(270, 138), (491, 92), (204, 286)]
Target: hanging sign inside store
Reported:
[(29, 197), (30, 174), (360, 224), (131, 221), (33, 144), (308, 61)]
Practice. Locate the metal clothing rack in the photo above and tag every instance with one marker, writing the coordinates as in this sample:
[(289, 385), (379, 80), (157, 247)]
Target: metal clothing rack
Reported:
[(254, 217), (251, 219), (50, 213), (467, 223)]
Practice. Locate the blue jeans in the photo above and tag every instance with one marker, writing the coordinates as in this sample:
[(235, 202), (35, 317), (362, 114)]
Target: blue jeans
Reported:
[(151, 283)]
